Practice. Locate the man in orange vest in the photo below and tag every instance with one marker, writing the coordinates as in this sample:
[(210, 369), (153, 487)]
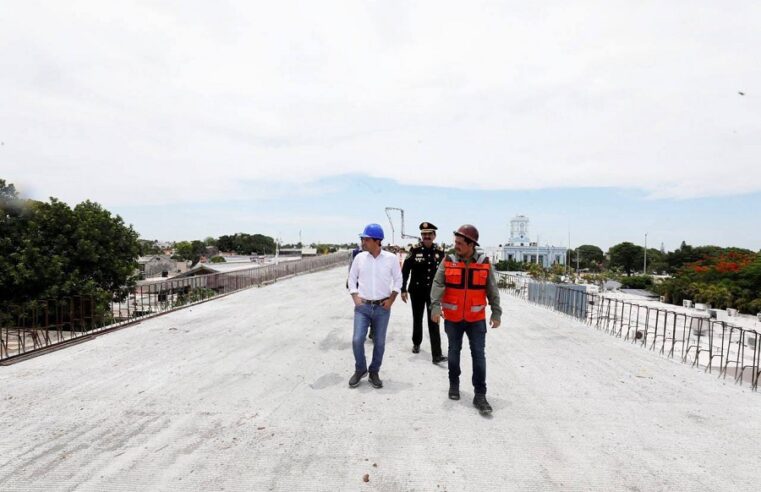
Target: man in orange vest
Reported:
[(462, 285)]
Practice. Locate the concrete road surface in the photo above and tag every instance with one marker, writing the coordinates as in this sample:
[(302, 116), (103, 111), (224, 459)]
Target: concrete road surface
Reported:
[(249, 392)]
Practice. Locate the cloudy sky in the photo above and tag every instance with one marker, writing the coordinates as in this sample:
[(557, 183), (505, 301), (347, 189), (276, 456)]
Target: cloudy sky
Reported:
[(612, 119)]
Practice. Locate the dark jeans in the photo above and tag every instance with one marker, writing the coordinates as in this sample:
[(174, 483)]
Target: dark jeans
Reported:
[(364, 316), (421, 304), (477, 340)]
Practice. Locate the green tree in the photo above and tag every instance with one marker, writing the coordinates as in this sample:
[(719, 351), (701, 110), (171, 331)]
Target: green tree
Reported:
[(717, 295), (656, 261), (556, 272), (148, 247), (7, 191), (225, 243), (536, 271), (637, 282), (590, 257), (243, 244), (105, 248), (723, 277), (189, 251), (263, 244), (13, 220), (681, 256), (49, 250), (627, 256), (510, 266), (246, 244)]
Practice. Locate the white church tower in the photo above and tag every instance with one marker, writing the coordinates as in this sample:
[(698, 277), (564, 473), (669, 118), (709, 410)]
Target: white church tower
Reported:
[(519, 231), (520, 248)]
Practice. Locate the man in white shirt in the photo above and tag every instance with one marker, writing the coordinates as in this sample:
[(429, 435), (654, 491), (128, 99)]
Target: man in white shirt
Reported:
[(375, 279)]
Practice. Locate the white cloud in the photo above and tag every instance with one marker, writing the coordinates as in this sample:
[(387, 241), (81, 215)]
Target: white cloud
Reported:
[(184, 101)]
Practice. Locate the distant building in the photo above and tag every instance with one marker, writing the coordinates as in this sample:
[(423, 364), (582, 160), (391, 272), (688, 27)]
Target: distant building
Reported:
[(159, 266), (297, 252), (211, 251), (494, 253), (233, 266), (520, 248), (308, 251), (212, 268), (233, 258)]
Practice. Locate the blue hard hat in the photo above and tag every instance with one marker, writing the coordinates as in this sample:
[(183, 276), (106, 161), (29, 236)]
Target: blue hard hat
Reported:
[(374, 231)]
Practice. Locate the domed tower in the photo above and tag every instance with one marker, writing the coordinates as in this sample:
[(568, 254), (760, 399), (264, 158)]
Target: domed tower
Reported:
[(519, 231)]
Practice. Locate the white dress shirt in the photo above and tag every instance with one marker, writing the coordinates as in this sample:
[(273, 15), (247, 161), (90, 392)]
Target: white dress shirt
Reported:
[(377, 276)]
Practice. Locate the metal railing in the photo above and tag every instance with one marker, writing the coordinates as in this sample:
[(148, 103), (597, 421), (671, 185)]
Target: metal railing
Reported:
[(43, 324), (695, 339)]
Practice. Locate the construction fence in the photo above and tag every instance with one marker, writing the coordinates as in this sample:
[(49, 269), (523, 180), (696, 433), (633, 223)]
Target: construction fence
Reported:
[(718, 347), (43, 324)]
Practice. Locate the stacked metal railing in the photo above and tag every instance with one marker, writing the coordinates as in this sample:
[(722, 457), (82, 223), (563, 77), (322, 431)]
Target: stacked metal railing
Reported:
[(42, 324), (694, 338)]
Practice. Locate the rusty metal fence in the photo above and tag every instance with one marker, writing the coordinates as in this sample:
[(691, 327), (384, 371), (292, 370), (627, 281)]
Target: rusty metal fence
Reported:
[(46, 323), (719, 347)]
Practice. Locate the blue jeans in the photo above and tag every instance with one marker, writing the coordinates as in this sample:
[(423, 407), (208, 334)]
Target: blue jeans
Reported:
[(364, 315), (477, 340)]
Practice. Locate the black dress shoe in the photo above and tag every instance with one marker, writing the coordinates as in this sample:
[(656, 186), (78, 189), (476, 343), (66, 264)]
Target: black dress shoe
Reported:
[(416, 349), (354, 380), (375, 380), (479, 401), (454, 392), (439, 358)]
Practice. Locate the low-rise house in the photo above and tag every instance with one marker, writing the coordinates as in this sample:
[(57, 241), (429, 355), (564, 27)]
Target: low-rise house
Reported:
[(160, 266), (290, 252)]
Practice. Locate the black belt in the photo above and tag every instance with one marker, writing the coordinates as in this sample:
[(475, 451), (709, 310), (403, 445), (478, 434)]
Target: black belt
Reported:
[(375, 303)]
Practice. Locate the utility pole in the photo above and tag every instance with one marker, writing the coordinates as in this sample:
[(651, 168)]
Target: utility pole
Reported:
[(645, 267), (577, 261), (568, 256)]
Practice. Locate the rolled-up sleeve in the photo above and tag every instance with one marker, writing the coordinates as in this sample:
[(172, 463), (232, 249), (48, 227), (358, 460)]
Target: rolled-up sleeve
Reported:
[(406, 269), (437, 289), (354, 276), (396, 276), (492, 293)]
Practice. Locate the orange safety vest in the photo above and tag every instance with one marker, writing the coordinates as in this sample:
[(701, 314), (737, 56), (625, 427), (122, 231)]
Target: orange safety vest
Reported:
[(465, 289)]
